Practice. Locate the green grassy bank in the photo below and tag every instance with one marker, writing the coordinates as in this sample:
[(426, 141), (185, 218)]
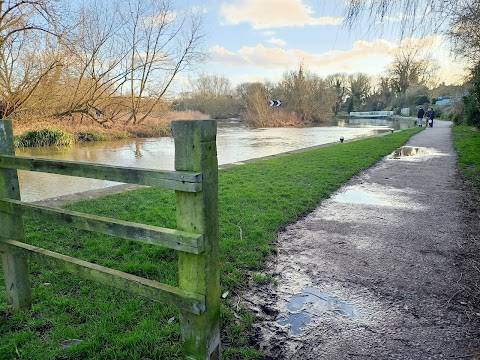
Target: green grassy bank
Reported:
[(255, 201), (467, 144)]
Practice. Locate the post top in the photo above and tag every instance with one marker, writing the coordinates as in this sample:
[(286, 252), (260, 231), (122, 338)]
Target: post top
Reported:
[(207, 129)]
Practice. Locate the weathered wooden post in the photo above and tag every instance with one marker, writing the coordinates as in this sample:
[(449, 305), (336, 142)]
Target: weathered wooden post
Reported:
[(15, 268), (196, 150)]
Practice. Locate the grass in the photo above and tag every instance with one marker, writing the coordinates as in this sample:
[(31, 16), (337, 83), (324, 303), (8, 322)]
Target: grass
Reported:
[(255, 201), (44, 137), (467, 144)]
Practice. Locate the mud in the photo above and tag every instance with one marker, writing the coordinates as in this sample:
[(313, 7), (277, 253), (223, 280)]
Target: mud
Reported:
[(391, 260)]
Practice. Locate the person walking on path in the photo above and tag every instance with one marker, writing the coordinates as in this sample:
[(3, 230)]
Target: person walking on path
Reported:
[(429, 115), (420, 115)]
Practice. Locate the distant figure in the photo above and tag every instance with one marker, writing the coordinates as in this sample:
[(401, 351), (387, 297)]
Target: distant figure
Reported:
[(98, 112), (420, 115), (430, 114)]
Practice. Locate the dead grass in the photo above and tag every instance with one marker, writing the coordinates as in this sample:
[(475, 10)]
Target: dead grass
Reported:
[(157, 125)]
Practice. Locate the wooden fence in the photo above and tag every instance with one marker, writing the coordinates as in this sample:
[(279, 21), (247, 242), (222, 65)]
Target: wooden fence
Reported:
[(195, 181)]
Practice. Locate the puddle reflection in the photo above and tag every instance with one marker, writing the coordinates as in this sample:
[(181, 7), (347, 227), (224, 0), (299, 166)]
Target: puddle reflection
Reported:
[(311, 304)]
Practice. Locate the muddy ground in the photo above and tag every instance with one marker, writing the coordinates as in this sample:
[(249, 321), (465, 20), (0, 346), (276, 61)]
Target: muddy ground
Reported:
[(387, 268)]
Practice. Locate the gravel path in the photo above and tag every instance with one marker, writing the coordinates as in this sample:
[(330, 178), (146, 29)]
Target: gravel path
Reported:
[(383, 269)]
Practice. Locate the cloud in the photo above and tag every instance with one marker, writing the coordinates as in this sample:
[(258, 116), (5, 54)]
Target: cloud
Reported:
[(273, 14), (161, 19), (268, 32), (278, 58), (277, 41), (198, 9), (370, 57)]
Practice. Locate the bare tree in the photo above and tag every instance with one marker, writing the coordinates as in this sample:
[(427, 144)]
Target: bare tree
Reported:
[(92, 74), (306, 94), (465, 31), (411, 67), (213, 94), (22, 16), (258, 113), (163, 43), (415, 16), (26, 58), (358, 87), (338, 83), (212, 86)]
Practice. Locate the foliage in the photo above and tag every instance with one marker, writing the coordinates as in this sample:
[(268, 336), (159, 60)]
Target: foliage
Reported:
[(472, 100), (465, 30), (45, 137), (258, 113), (255, 201), (306, 95), (211, 94), (410, 68), (410, 97), (358, 88), (338, 84), (422, 99)]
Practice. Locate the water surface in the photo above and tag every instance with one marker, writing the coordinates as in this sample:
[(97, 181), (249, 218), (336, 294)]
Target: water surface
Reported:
[(235, 143)]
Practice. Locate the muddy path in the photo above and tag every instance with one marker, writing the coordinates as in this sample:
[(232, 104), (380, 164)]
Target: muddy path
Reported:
[(387, 268)]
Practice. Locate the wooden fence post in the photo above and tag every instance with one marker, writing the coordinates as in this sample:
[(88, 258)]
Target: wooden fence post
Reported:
[(196, 150), (15, 268)]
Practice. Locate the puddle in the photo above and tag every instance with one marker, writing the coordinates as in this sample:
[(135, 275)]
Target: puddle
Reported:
[(410, 151), (311, 304), (360, 197)]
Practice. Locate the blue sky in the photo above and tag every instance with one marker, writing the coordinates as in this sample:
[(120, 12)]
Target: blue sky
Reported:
[(257, 40)]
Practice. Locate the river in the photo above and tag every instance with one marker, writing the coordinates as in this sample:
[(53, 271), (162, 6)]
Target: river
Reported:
[(235, 143)]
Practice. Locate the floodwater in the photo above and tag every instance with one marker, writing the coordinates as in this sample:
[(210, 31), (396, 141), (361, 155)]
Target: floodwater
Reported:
[(312, 303), (235, 143)]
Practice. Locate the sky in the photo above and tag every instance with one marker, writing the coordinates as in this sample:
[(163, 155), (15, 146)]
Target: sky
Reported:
[(259, 40)]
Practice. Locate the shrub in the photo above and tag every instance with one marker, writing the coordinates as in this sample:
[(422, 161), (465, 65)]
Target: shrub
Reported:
[(44, 137), (472, 100), (422, 99)]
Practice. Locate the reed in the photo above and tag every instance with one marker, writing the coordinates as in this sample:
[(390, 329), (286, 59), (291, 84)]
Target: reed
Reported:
[(44, 137)]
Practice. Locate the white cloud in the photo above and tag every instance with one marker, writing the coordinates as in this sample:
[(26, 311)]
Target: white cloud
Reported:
[(371, 57), (277, 58), (273, 14), (277, 41), (199, 9), (161, 19)]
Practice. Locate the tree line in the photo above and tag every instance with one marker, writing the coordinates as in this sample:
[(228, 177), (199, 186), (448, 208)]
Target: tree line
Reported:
[(116, 61), (308, 98)]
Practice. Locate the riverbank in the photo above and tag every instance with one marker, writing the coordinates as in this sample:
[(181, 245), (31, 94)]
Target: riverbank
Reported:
[(113, 324), (66, 131)]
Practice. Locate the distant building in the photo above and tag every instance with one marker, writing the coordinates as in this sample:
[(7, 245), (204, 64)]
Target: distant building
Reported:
[(443, 101)]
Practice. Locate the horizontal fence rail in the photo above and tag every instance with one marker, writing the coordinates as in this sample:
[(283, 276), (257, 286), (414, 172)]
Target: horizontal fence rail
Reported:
[(185, 300), (173, 239), (175, 180), (195, 182)]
